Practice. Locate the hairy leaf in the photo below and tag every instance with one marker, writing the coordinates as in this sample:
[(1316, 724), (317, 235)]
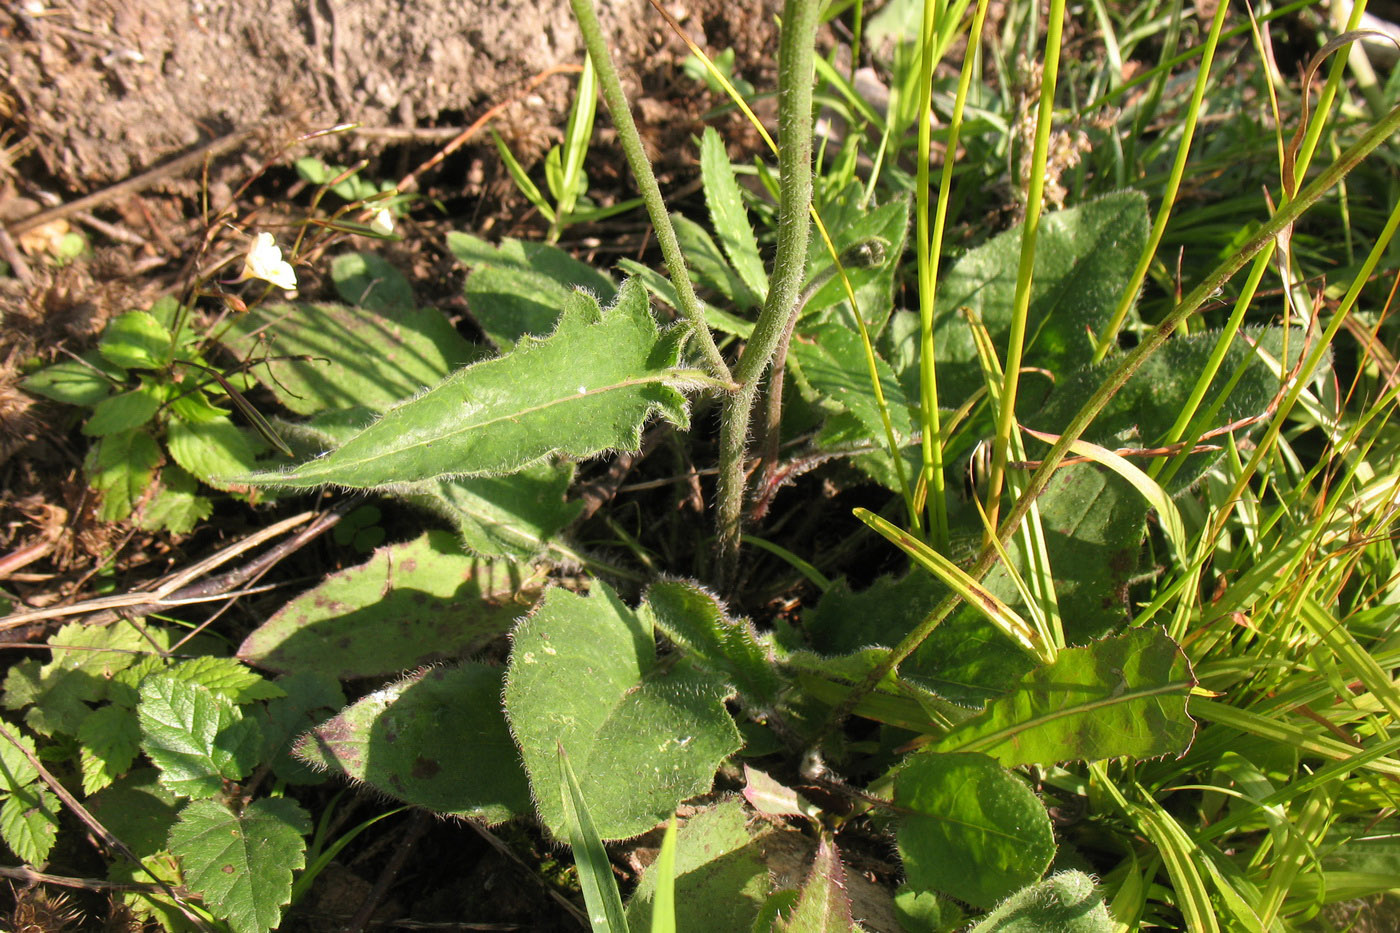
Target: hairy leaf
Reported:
[(511, 516), (1065, 902), (242, 864), (436, 739), (643, 738), (835, 366), (342, 357), (969, 827), (693, 618), (197, 738), (517, 288), (587, 388), (823, 906), (1120, 697), (408, 605)]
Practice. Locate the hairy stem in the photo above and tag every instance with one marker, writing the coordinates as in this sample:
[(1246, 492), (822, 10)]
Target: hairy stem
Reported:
[(637, 160), (795, 54)]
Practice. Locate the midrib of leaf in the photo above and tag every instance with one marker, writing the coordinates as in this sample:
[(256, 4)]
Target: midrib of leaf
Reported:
[(1025, 725), (665, 378)]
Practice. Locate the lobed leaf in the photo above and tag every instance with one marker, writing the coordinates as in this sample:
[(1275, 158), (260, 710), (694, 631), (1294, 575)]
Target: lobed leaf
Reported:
[(110, 739), (29, 823), (584, 674), (242, 864), (213, 449), (587, 388)]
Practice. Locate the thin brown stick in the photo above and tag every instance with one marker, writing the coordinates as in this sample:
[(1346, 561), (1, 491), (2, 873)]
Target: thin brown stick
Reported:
[(131, 185), (30, 876)]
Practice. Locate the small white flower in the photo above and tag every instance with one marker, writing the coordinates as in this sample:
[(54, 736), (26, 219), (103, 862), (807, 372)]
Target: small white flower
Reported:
[(382, 222), (264, 261)]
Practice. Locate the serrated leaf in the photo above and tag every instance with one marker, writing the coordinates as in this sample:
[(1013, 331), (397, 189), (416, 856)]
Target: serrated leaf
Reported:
[(587, 388), (851, 222), (518, 288), (53, 700), (370, 281), (242, 864), (694, 619), (718, 864), (436, 739), (708, 264), (1082, 257), (1120, 697), (120, 466), (213, 449), (410, 604), (197, 738), (584, 674), (29, 823), (136, 340), (226, 677), (835, 365), (728, 216), (345, 357), (513, 516), (177, 506), (99, 650), (969, 828), (125, 410), (110, 738), (823, 906), (75, 382), (16, 770)]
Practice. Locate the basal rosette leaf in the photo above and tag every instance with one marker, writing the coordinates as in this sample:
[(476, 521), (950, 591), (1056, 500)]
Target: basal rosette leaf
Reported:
[(642, 736), (242, 864), (1120, 697), (587, 388)]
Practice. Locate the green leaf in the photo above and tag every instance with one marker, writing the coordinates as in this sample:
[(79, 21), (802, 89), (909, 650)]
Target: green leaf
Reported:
[(369, 281), (225, 677), (213, 449), (852, 224), (76, 382), (100, 650), (719, 865), (823, 906), (587, 388), (176, 507), (512, 516), (121, 466), (835, 365), (410, 604), (1065, 902), (197, 738), (126, 410), (518, 288), (727, 214), (16, 770), (711, 269), (595, 876), (242, 864), (693, 618), (584, 674), (969, 828), (138, 811), (110, 738), (1083, 256), (1120, 697), (311, 698), (136, 340), (436, 739), (29, 823), (342, 357)]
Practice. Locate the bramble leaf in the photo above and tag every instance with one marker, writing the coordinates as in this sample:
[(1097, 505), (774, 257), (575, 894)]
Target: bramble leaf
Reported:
[(16, 770), (29, 823), (125, 410), (213, 449), (642, 736), (197, 738), (587, 388), (120, 466), (110, 738), (242, 864)]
